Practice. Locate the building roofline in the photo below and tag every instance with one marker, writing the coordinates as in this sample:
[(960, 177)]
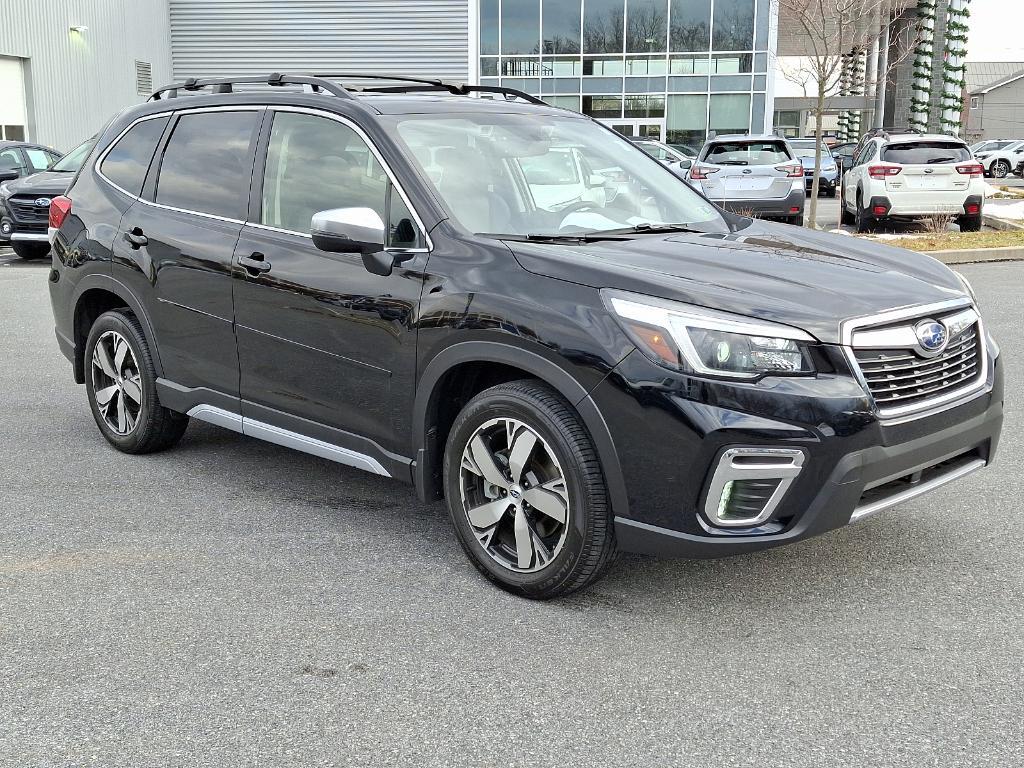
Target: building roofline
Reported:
[(999, 83)]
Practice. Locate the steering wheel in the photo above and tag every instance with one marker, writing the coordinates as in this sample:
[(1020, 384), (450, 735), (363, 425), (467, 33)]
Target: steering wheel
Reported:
[(579, 205)]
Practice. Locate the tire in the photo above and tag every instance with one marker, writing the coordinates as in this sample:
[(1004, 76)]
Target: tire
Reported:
[(830, 192), (796, 221), (132, 423), (864, 221), (999, 169), (970, 223), (554, 556), (30, 251)]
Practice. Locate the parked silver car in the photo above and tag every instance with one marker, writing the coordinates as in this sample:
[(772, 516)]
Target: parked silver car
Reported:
[(753, 175)]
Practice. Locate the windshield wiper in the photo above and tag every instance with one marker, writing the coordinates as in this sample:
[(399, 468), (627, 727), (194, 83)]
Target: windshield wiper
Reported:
[(592, 237), (643, 228), (940, 160)]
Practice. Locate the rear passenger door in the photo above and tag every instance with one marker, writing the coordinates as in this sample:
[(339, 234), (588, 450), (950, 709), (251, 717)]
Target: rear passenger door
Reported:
[(180, 237), (326, 349)]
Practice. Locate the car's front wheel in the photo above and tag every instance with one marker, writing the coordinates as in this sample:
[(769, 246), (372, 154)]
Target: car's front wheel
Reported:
[(526, 492), (120, 381), (1000, 168), (29, 251)]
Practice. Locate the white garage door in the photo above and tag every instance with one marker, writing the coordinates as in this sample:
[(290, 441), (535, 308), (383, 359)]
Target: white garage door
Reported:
[(12, 105)]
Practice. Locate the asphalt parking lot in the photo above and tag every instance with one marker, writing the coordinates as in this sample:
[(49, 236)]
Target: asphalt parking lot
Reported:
[(234, 603)]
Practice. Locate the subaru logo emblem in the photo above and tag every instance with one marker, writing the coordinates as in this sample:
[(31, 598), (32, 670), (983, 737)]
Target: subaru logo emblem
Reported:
[(931, 335), (747, 170), (42, 202)]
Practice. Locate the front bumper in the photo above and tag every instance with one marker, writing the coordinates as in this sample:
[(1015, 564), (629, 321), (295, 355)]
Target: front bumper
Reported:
[(854, 464), (783, 206)]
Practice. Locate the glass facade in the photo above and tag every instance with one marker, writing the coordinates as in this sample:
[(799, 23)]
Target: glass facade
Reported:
[(674, 68)]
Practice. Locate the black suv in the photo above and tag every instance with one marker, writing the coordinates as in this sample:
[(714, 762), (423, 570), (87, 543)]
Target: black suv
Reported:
[(512, 308)]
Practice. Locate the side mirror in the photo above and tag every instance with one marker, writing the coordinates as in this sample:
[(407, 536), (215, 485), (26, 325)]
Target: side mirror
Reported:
[(596, 180), (348, 230), (8, 174), (686, 164)]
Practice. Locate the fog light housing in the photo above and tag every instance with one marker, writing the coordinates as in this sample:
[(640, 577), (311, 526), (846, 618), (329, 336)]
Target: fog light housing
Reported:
[(749, 483)]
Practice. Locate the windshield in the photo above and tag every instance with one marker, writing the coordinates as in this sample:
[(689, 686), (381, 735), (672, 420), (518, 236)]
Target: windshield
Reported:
[(806, 149), (529, 174), (925, 153), (659, 151), (747, 153), (73, 160)]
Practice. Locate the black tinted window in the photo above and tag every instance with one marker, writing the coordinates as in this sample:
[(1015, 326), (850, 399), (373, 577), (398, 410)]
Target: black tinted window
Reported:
[(207, 164), (126, 163), (926, 153)]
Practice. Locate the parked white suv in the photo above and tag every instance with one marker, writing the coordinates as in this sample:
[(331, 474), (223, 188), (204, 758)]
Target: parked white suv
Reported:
[(913, 176), (999, 161)]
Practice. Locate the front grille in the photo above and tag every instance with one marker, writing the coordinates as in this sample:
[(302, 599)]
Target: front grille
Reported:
[(902, 378), (28, 216)]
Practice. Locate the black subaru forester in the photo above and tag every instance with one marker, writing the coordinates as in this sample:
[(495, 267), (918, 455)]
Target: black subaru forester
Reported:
[(512, 308)]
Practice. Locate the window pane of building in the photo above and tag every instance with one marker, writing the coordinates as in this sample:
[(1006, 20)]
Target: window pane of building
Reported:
[(564, 102), (603, 26), (645, 106), (488, 26), (488, 66), (686, 120), (689, 65), (691, 25), (561, 26), (730, 113), (602, 106), (608, 67), (520, 67), (734, 25), (520, 26), (646, 26)]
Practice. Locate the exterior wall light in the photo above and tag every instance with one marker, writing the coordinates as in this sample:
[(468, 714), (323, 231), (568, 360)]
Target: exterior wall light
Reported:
[(79, 28)]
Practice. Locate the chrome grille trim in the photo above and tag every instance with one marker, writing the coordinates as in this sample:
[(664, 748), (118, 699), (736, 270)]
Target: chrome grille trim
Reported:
[(903, 383)]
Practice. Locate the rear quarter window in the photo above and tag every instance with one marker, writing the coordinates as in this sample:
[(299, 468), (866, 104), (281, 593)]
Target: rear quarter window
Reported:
[(128, 160), (748, 153), (925, 153)]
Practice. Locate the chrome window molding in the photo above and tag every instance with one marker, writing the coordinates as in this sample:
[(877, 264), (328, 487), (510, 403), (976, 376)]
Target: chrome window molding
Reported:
[(103, 155), (945, 401)]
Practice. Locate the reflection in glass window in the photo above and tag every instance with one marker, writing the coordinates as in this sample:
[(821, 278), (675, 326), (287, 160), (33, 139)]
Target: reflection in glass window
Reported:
[(686, 120), (689, 65), (488, 66), (645, 66), (488, 26), (314, 164), (564, 102), (520, 67), (732, 63), (520, 26), (734, 25), (645, 106), (562, 26), (602, 26), (691, 25), (730, 113), (562, 67), (646, 25), (602, 106), (609, 67), (126, 164)]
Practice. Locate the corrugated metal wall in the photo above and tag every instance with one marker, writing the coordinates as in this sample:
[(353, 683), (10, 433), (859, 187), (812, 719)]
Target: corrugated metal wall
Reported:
[(75, 82), (248, 37)]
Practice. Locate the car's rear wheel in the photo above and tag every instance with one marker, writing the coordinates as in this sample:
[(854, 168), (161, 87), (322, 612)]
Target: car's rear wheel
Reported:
[(865, 222), (970, 223), (29, 251), (526, 492), (120, 381), (845, 216), (797, 220), (1000, 168), (830, 192)]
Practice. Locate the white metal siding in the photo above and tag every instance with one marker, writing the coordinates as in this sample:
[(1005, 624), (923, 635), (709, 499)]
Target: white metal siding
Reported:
[(253, 37), (75, 82)]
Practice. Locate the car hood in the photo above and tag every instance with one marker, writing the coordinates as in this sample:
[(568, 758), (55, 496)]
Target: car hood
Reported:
[(47, 183), (775, 272), (826, 162)]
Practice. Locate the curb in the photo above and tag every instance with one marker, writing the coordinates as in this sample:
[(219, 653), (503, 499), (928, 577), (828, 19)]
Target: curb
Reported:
[(1011, 253), (1003, 225)]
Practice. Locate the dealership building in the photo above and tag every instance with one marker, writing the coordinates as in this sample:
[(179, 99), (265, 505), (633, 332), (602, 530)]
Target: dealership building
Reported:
[(671, 69)]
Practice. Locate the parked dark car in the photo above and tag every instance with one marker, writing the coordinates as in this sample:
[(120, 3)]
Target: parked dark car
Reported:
[(25, 203), (828, 178), (843, 155), (364, 276), (21, 158)]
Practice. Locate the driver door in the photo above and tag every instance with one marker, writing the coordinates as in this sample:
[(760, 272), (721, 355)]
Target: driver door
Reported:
[(325, 348)]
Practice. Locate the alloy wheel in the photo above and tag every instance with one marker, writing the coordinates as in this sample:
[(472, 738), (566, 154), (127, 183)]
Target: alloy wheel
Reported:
[(514, 495), (1000, 169), (116, 383)]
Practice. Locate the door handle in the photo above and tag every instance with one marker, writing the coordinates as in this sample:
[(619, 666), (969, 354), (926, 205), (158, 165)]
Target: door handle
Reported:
[(136, 239), (256, 263)]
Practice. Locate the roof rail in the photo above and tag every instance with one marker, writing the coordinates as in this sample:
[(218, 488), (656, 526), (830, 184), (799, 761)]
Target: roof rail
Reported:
[(224, 85), (322, 82)]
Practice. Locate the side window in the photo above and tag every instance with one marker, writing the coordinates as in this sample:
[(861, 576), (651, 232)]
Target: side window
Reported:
[(126, 163), (207, 164), (315, 164), (39, 159), (10, 160)]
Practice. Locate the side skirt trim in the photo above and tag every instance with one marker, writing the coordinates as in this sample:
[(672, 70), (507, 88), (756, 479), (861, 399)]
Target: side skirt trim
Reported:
[(287, 438)]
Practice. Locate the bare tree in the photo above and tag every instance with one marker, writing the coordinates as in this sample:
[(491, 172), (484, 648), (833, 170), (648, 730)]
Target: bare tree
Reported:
[(832, 31)]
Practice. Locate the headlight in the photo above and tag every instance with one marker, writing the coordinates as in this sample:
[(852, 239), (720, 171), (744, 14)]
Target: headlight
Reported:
[(711, 343), (967, 287)]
